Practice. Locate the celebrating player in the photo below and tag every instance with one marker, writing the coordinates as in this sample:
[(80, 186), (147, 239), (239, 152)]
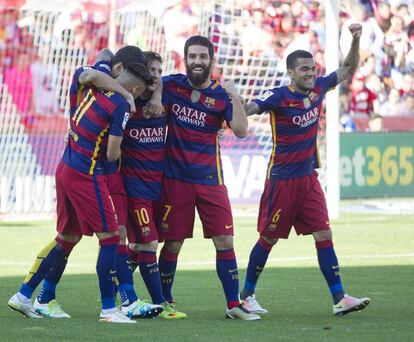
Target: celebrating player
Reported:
[(143, 154), (84, 206), (292, 194), (196, 107)]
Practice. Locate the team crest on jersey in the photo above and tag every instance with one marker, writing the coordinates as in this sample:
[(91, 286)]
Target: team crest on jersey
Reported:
[(306, 102), (146, 231), (195, 96), (209, 102), (124, 122), (313, 96)]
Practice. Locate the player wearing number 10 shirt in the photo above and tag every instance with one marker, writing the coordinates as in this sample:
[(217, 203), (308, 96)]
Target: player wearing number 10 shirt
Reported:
[(293, 195)]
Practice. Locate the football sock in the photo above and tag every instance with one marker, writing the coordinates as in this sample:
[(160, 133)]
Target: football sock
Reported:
[(47, 258), (328, 264), (257, 262), (133, 259), (124, 276), (106, 270), (48, 291), (150, 272), (226, 266), (167, 265)]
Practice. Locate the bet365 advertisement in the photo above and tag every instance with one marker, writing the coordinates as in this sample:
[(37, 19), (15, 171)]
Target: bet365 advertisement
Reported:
[(377, 164)]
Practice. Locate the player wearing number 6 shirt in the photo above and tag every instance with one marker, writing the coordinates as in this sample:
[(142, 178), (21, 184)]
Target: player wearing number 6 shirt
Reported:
[(196, 107), (292, 194)]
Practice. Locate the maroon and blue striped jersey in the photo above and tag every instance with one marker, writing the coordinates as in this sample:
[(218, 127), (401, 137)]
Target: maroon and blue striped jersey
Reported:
[(194, 119), (94, 115), (294, 118), (143, 155)]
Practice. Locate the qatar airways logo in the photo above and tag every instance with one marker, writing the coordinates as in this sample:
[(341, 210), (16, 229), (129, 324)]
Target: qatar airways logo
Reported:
[(189, 115), (306, 119), (147, 135)]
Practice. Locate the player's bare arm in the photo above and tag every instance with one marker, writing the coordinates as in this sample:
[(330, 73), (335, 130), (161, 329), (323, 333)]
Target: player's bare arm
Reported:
[(251, 108), (113, 151), (239, 123), (105, 55), (352, 59), (105, 82)]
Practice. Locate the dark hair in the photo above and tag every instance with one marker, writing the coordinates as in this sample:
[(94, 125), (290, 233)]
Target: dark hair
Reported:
[(293, 57), (152, 56), (129, 54), (141, 71), (133, 60), (199, 40)]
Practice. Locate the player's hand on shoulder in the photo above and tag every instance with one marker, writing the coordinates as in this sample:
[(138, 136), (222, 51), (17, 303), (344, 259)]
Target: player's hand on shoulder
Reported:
[(220, 133), (153, 109), (356, 30)]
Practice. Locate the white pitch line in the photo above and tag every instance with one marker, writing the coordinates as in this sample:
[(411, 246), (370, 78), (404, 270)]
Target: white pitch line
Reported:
[(244, 261)]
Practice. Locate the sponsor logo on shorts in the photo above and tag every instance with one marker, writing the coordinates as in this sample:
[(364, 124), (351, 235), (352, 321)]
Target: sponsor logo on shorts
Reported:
[(228, 226), (146, 231), (327, 222), (272, 227)]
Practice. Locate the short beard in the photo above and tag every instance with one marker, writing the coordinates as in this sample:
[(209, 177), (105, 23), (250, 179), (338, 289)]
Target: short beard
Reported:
[(198, 79)]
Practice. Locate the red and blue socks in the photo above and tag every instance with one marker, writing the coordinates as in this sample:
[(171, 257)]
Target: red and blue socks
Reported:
[(106, 270), (167, 266), (226, 266), (150, 272), (328, 264), (124, 276), (257, 261)]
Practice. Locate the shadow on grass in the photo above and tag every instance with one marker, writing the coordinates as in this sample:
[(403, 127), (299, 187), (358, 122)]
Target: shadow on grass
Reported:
[(298, 301)]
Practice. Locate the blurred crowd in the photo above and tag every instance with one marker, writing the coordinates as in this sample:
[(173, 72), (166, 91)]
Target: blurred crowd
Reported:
[(382, 87)]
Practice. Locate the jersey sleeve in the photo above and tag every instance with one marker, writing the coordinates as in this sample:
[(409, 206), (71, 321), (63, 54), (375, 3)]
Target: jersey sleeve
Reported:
[(269, 100), (327, 82), (119, 118), (104, 66), (75, 85)]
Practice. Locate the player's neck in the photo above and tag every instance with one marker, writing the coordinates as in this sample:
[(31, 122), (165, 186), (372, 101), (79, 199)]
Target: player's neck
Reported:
[(203, 85), (295, 88)]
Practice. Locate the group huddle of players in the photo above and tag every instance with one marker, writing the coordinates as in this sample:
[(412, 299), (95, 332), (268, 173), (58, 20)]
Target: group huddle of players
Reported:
[(143, 154)]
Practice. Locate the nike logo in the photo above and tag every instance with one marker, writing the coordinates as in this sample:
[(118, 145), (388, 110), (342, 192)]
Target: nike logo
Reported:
[(228, 226), (335, 267), (292, 104), (153, 264), (167, 274), (327, 222), (232, 271), (181, 90), (259, 268)]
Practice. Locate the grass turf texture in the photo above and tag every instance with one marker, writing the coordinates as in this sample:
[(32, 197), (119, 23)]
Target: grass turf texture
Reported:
[(376, 254)]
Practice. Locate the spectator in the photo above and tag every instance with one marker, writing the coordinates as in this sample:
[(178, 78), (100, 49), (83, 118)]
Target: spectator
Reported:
[(363, 100)]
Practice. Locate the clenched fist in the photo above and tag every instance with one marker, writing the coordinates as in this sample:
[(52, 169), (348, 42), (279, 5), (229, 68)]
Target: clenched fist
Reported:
[(356, 30)]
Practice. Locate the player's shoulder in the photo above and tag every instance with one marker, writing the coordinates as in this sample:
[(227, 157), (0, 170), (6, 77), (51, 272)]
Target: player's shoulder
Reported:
[(116, 99), (176, 78)]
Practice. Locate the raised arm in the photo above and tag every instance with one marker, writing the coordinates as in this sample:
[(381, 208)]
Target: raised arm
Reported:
[(351, 61), (239, 123)]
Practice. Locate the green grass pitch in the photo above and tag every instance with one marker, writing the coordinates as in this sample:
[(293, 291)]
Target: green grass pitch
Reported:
[(375, 251)]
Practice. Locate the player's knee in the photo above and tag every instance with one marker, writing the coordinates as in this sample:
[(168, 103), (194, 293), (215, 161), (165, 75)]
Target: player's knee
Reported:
[(74, 239), (270, 241), (149, 246), (108, 238), (322, 235), (173, 246), (223, 242), (122, 235)]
